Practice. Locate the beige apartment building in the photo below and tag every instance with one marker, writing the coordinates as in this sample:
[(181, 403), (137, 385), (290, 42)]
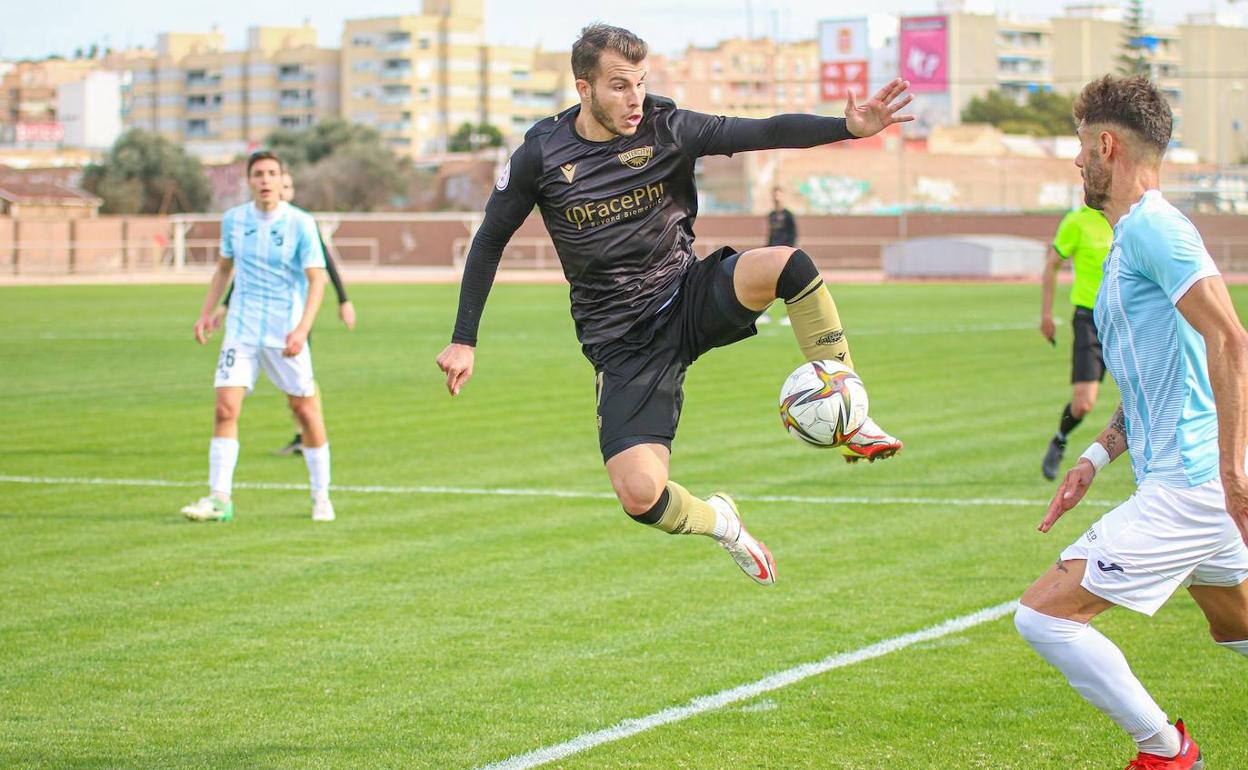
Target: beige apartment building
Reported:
[(1198, 65), (220, 103), (28, 90), (418, 78), (753, 78)]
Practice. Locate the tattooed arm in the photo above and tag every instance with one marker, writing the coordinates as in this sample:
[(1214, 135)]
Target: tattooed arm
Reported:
[(1114, 437), (1079, 478)]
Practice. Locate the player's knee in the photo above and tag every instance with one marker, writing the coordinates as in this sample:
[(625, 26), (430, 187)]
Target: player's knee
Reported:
[(1230, 635), (1037, 628), (1081, 405), (304, 409), (639, 495), (227, 411)]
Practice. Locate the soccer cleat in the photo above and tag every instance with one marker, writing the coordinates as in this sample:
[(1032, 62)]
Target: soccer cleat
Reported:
[(1053, 459), (209, 509), (1188, 758), (295, 447), (750, 555), (322, 508), (870, 443)]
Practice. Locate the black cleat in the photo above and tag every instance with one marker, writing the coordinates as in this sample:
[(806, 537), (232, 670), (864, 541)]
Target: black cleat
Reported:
[(295, 447), (1053, 459)]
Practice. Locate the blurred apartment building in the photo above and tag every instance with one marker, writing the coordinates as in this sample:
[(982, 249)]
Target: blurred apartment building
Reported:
[(417, 78)]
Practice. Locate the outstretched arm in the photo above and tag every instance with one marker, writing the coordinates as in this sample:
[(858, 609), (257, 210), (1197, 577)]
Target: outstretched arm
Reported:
[(724, 136), (511, 202), (1111, 443)]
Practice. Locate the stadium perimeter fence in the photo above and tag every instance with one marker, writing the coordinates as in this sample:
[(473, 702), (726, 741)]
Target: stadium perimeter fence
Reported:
[(121, 245)]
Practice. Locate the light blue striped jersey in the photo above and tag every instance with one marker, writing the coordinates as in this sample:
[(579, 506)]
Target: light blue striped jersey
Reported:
[(1156, 357), (270, 253)]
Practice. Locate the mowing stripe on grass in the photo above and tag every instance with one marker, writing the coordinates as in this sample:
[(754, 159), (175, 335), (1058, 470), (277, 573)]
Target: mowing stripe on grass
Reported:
[(521, 492), (701, 705)]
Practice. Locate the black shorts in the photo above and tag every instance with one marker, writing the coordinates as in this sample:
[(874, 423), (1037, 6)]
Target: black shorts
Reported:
[(639, 377), (1086, 364)]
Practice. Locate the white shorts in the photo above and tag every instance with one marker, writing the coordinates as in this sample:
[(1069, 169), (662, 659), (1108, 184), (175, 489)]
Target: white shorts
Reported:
[(1162, 539), (239, 366)]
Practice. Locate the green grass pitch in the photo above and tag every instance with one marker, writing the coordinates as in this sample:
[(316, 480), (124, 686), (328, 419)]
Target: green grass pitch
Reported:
[(447, 629)]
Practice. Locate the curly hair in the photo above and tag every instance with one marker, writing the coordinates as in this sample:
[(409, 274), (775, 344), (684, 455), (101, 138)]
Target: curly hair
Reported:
[(1132, 103), (597, 38)]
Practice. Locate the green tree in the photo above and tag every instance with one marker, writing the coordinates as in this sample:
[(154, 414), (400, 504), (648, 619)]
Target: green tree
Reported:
[(1134, 57), (1045, 113), (144, 173), (341, 166), (469, 137)]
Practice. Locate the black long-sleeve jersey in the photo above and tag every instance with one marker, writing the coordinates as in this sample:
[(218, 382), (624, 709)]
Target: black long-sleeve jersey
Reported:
[(620, 212)]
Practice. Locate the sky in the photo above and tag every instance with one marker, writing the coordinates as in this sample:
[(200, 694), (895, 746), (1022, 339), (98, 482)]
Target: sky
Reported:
[(37, 29)]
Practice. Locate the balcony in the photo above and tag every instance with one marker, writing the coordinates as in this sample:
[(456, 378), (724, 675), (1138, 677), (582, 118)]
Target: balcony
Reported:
[(202, 80)]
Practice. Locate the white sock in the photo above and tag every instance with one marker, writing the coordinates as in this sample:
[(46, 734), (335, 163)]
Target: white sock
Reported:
[(317, 459), (222, 457), (1241, 647), (1097, 670)]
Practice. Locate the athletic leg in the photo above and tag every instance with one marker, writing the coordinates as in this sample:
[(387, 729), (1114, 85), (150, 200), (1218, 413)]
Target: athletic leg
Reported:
[(1053, 618), (222, 459), (763, 275)]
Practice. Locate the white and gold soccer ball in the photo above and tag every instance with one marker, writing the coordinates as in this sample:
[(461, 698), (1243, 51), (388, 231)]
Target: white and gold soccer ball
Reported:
[(823, 403)]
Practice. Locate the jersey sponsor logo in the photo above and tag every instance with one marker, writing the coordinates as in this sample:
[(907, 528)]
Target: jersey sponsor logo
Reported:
[(1111, 567), (632, 203), (504, 177), (637, 158), (569, 171)]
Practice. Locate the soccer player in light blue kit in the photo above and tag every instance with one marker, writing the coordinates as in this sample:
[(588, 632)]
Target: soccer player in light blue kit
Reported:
[(1179, 354), (278, 256)]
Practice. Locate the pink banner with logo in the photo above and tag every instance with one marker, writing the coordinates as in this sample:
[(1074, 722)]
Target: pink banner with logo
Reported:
[(924, 59)]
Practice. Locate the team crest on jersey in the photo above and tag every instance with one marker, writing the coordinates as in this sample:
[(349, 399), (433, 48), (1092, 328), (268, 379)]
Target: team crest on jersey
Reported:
[(278, 238), (637, 158), (504, 177)]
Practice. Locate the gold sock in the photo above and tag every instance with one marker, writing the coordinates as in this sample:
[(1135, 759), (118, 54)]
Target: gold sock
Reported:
[(686, 514), (817, 325)]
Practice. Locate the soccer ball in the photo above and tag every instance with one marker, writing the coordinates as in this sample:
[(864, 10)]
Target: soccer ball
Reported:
[(823, 403)]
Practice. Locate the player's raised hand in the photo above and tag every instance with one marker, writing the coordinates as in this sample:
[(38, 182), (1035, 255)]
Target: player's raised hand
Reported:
[(1071, 491), (880, 111), (456, 361)]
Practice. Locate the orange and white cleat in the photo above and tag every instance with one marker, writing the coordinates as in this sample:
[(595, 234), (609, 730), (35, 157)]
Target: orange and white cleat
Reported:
[(750, 554), (1188, 758), (870, 443)]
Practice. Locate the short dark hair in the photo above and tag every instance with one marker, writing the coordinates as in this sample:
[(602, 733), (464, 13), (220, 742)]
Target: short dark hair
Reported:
[(1132, 103), (597, 38), (260, 155)]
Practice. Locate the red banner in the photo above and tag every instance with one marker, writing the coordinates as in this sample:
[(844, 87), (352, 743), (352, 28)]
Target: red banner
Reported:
[(840, 78), (38, 133)]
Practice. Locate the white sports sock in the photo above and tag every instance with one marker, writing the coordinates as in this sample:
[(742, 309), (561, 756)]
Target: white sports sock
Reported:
[(1241, 647), (1097, 670), (317, 459), (222, 457)]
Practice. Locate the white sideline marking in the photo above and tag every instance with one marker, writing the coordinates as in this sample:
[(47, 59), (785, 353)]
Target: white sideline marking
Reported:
[(518, 492), (703, 704)]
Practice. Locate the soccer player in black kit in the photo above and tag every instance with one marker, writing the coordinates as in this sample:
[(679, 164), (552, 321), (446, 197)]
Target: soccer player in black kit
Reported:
[(613, 178)]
